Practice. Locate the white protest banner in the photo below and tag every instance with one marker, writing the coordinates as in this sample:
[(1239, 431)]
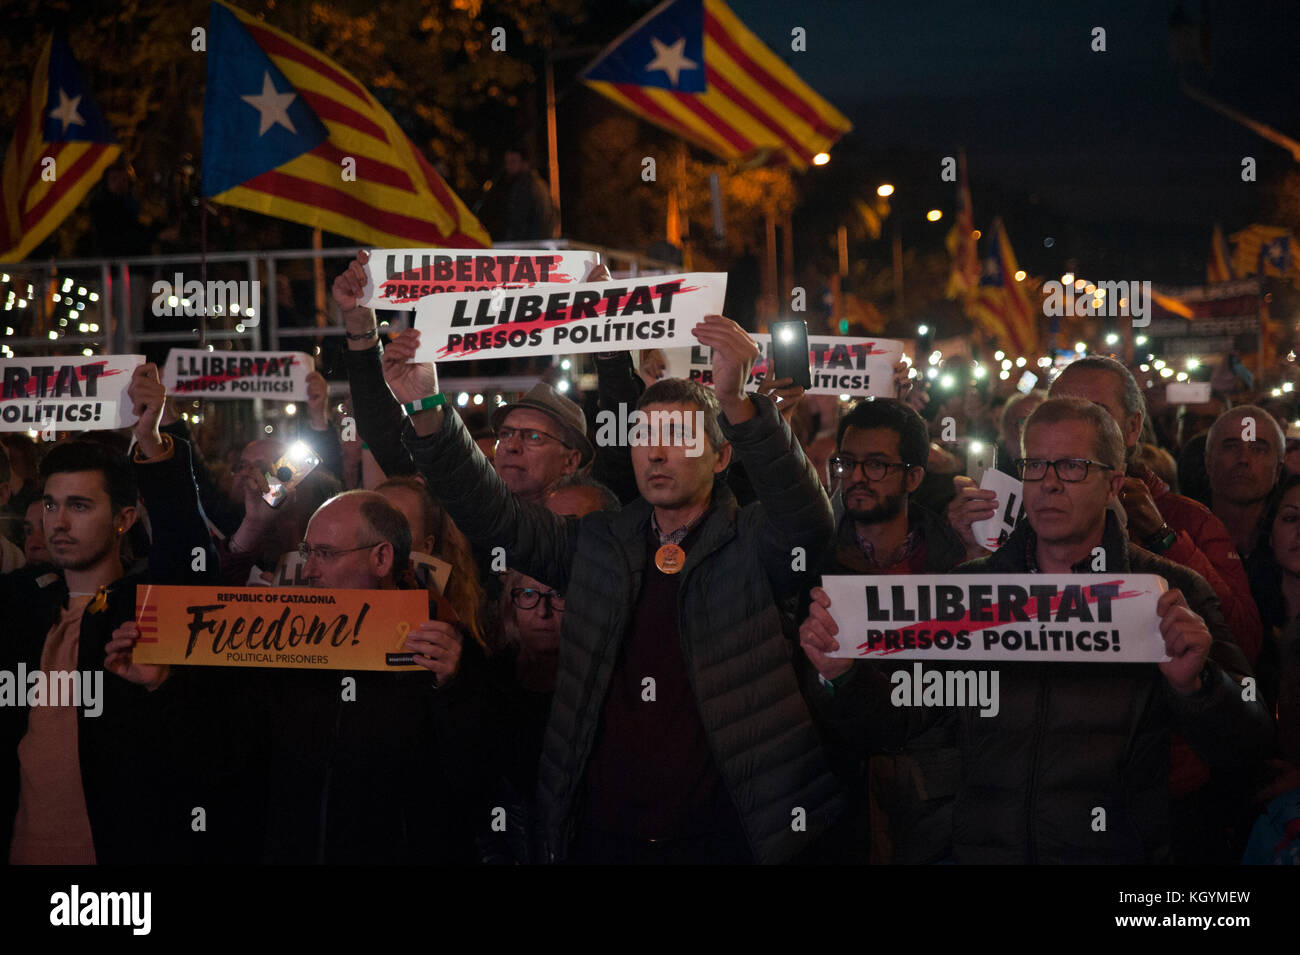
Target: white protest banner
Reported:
[(990, 534), (398, 278), (1084, 618), (73, 394), (840, 366), (1189, 393), (656, 311), (198, 373)]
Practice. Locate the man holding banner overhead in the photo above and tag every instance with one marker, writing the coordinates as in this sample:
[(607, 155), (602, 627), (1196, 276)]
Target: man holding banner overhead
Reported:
[(1069, 762), (673, 637)]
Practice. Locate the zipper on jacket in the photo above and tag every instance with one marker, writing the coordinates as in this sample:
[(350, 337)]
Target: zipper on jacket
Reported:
[(1040, 707), (325, 785), (713, 748)]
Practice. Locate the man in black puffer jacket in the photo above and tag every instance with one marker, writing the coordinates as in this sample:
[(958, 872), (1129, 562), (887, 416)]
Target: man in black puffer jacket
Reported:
[(678, 732), (1070, 738)]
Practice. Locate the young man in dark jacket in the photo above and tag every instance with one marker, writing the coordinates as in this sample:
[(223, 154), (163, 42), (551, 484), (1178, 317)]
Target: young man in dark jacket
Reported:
[(1069, 738), (100, 784), (678, 732), (881, 449)]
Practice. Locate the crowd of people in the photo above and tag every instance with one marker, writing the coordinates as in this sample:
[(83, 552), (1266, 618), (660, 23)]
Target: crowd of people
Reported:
[(637, 663)]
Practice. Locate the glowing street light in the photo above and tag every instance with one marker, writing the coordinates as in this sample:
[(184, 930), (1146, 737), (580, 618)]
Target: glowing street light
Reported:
[(884, 190), (934, 215), (821, 159)]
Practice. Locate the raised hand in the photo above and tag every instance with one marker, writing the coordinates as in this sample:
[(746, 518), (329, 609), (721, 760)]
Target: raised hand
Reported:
[(408, 380), (734, 353), (147, 396)]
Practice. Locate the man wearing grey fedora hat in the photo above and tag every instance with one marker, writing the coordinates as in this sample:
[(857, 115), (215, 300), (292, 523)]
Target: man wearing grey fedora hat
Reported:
[(540, 438)]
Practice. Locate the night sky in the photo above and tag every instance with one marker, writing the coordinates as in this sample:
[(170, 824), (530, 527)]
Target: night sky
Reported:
[(1100, 151)]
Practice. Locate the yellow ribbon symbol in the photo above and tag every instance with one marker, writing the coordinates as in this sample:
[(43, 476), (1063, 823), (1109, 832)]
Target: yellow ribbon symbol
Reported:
[(403, 629)]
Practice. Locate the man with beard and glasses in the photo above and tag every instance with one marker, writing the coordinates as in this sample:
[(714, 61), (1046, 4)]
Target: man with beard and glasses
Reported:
[(880, 454)]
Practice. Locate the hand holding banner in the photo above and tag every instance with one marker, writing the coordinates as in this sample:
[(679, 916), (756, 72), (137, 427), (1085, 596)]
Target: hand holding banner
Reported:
[(1083, 618)]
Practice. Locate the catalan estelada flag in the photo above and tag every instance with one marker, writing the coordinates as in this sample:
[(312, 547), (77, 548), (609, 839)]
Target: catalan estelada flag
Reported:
[(999, 304), (1264, 250), (281, 121), (61, 147), (1219, 266), (693, 68)]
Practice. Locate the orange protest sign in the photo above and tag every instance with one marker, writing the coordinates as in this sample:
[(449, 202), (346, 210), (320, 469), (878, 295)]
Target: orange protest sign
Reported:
[(278, 627)]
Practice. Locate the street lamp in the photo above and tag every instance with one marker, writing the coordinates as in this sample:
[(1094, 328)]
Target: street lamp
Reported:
[(885, 190), (821, 159), (934, 215)]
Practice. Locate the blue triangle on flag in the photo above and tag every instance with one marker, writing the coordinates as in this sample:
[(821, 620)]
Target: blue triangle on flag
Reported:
[(70, 116), (664, 50), (254, 120)]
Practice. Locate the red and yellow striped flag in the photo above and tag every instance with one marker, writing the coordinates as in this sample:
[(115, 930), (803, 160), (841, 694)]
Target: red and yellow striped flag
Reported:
[(61, 147), (999, 303), (290, 133), (691, 67)]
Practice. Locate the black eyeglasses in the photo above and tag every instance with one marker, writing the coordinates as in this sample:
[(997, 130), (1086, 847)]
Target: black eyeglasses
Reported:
[(305, 551), (1070, 470), (526, 598), (531, 437), (842, 466)]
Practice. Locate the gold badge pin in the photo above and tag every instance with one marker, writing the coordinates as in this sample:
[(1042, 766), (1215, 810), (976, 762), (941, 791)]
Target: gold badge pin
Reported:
[(669, 558)]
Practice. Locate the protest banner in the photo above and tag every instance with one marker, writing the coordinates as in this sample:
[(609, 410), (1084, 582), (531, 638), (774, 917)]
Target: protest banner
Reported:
[(398, 278), (278, 627), (840, 366), (650, 312), (1189, 393), (199, 373), (72, 394), (1081, 618), (993, 532)]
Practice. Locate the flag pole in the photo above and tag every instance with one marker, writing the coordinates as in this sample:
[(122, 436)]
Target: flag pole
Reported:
[(552, 146)]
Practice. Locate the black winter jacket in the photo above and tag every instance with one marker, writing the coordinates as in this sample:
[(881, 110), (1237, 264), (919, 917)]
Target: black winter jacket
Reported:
[(134, 767), (1073, 737), (758, 724)]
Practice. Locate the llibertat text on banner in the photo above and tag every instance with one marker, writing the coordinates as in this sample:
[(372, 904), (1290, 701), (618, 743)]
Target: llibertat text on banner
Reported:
[(398, 278), (1080, 618), (198, 373), (66, 394), (655, 311)]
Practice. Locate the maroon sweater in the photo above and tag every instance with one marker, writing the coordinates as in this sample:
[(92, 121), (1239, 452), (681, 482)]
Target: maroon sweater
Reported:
[(651, 774)]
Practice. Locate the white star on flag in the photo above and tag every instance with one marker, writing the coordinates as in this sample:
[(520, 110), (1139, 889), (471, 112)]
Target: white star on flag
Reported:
[(67, 112), (272, 106), (671, 59)]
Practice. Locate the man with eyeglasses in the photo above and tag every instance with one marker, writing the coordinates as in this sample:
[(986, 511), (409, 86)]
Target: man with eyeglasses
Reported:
[(540, 438), (678, 732), (361, 775), (1069, 737), (881, 449)]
